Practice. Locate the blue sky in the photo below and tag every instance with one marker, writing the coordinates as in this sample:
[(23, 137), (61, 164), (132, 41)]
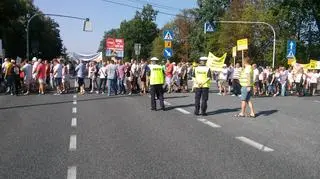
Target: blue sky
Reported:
[(104, 16)]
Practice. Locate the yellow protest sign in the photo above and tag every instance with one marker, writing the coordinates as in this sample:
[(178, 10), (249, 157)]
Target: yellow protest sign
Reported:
[(216, 63), (167, 44), (234, 51), (242, 44), (314, 65)]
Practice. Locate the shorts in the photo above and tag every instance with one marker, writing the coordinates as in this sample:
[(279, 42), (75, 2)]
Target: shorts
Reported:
[(245, 95), (143, 79), (58, 81), (80, 81), (168, 80), (223, 83), (41, 81)]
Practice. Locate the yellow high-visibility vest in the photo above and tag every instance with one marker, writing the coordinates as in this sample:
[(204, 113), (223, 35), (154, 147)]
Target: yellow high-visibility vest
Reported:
[(201, 76), (156, 75), (243, 76)]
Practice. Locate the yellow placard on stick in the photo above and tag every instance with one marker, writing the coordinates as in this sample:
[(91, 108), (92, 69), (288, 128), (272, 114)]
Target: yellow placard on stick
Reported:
[(242, 44), (234, 51), (167, 44)]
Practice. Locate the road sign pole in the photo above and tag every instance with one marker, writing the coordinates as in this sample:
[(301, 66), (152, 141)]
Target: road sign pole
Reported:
[(234, 61)]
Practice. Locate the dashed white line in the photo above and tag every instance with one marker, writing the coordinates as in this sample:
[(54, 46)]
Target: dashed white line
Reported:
[(74, 101), (74, 96), (182, 110), (74, 122), (209, 123), (73, 143), (72, 172), (316, 101), (74, 110), (255, 144)]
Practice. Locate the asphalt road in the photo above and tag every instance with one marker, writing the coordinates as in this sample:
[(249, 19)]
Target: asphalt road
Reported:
[(95, 136)]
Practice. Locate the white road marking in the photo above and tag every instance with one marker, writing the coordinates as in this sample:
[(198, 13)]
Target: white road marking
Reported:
[(74, 122), (74, 101), (205, 121), (316, 101), (74, 110), (73, 143), (167, 103), (255, 144), (182, 110), (74, 96), (72, 172)]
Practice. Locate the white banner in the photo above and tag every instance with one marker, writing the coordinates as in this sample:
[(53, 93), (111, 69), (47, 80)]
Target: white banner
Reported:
[(86, 57)]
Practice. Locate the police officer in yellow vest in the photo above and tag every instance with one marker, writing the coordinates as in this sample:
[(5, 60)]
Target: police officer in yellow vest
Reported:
[(202, 81), (156, 83)]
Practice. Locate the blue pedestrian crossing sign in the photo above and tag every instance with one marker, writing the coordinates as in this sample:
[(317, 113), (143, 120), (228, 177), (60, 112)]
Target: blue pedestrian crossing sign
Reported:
[(291, 48), (208, 27), (167, 52), (168, 35)]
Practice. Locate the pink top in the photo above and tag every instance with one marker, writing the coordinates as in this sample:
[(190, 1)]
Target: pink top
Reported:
[(41, 68), (121, 71)]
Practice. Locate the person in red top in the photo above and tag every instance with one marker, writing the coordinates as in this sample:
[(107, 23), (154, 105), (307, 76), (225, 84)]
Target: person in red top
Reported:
[(169, 75), (41, 75)]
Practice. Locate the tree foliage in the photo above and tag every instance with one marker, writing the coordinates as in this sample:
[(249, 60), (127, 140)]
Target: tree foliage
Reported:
[(45, 41), (297, 20)]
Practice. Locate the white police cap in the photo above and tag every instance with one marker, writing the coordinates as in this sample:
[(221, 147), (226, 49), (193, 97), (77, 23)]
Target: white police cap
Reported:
[(154, 59), (203, 58)]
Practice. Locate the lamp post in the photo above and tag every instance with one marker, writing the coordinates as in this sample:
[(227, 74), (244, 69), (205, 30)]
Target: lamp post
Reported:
[(86, 27)]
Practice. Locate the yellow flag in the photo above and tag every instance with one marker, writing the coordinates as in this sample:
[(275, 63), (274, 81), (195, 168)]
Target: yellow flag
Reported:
[(216, 63)]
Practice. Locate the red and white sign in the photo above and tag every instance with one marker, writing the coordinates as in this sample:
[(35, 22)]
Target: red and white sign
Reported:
[(119, 44), (110, 43), (115, 44)]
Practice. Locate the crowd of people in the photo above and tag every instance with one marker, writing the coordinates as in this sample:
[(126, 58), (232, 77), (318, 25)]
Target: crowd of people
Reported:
[(113, 77), (270, 82)]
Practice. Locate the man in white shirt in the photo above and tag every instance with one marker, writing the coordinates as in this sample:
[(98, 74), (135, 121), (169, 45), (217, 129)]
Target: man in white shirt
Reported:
[(255, 79), (57, 74), (27, 69), (223, 80)]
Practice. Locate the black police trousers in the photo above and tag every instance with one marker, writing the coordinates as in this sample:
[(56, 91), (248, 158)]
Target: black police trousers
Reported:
[(203, 94), (156, 90)]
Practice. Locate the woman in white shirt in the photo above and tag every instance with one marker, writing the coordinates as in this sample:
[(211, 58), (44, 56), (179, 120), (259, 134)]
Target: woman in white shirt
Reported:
[(103, 78), (92, 75), (314, 76)]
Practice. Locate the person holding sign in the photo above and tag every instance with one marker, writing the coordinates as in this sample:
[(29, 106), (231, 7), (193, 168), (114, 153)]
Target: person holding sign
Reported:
[(202, 81), (246, 81)]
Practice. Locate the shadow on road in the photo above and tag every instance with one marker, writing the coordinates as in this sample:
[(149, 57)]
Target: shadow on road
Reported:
[(63, 102), (266, 113), (180, 106), (173, 97), (220, 111)]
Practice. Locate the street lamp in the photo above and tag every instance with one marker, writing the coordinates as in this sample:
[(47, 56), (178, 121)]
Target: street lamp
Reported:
[(87, 26)]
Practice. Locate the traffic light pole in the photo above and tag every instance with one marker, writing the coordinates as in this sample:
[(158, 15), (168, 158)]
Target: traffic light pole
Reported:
[(257, 22), (57, 15)]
